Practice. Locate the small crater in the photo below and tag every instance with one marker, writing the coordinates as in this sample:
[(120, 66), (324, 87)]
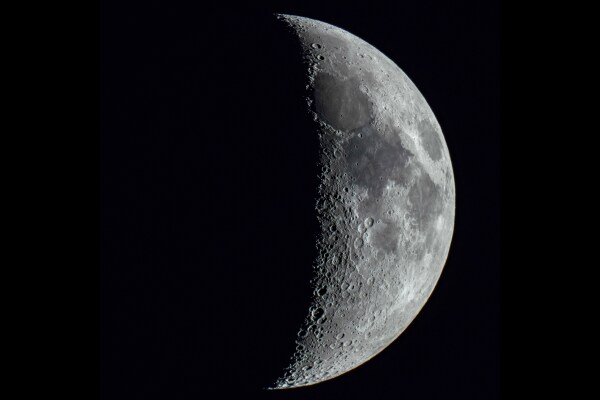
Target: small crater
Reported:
[(317, 313), (303, 333)]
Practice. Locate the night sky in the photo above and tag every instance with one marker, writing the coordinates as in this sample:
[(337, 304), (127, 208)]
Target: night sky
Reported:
[(208, 179)]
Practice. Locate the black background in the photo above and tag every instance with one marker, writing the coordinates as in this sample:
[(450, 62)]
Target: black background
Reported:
[(207, 187)]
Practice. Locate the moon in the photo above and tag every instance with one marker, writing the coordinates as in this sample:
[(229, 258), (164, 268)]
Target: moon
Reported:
[(385, 204)]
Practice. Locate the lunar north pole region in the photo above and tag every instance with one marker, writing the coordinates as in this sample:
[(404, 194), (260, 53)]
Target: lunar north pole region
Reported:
[(385, 203)]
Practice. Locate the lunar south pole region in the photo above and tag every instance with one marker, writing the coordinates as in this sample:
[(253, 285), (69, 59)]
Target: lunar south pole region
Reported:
[(385, 205)]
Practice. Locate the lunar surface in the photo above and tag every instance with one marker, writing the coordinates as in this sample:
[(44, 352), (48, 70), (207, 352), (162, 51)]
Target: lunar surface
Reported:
[(385, 204)]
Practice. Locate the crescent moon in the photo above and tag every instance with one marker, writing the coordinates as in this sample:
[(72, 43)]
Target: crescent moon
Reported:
[(385, 206)]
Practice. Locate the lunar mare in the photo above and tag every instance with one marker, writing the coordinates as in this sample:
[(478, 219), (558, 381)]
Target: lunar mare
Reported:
[(385, 203)]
